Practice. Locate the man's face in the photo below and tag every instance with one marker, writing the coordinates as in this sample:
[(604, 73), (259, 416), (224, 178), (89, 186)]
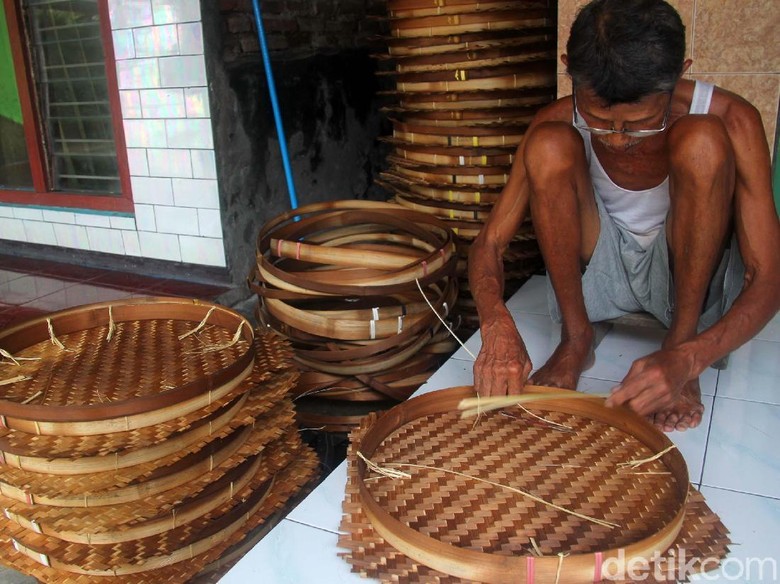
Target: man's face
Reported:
[(621, 127)]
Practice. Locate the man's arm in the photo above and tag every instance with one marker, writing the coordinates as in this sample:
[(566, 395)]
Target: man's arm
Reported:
[(503, 365), (654, 382)]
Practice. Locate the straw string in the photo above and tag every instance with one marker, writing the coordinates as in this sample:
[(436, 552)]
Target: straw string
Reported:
[(200, 325), (52, 337), (111, 325)]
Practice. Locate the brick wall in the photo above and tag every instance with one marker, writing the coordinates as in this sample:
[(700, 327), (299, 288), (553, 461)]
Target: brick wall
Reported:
[(299, 28)]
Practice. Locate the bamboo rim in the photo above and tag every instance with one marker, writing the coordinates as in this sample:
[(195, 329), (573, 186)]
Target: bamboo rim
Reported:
[(527, 71), (398, 48), (452, 48), (222, 529), (442, 211), (475, 60), (448, 195), (318, 223), (483, 99), (220, 492), (509, 138), (119, 460), (437, 156), (447, 25), (201, 462), (36, 330), (455, 176), (450, 8), (482, 567), (132, 422)]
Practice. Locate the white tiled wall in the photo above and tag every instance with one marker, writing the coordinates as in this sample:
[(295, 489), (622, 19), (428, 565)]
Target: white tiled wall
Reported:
[(163, 93)]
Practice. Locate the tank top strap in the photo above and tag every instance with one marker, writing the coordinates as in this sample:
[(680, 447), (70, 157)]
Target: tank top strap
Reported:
[(702, 95)]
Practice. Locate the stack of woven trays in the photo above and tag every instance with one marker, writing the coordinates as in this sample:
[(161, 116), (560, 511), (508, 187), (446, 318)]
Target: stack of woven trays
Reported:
[(469, 77), (142, 438), (362, 290)]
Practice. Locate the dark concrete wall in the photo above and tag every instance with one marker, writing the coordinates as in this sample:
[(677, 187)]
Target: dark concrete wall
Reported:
[(330, 110)]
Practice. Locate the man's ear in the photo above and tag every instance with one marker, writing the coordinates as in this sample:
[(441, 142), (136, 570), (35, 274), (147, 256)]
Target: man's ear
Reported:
[(565, 60), (686, 65)]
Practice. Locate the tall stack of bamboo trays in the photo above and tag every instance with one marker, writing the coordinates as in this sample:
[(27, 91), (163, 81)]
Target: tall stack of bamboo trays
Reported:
[(469, 76), (560, 490), (142, 438), (361, 289)]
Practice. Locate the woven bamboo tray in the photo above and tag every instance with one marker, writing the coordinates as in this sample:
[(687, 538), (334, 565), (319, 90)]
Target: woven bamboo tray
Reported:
[(474, 22), (118, 366), (573, 453), (288, 481), (432, 8), (507, 54), (409, 48)]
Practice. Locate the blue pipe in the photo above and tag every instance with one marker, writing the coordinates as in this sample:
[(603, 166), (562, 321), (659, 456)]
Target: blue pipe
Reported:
[(275, 105)]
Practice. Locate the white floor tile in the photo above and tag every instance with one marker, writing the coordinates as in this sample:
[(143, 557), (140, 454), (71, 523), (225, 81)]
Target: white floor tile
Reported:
[(742, 451), (754, 526), (624, 345), (539, 334), (532, 297), (453, 373), (752, 373), (322, 508), (693, 443), (292, 554), (771, 331)]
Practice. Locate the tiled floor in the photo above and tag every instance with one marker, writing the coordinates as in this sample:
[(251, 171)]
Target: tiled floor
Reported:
[(30, 288), (731, 456)]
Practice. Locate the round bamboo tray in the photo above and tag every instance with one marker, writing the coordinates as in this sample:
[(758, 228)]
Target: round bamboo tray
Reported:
[(460, 101), (118, 366), (432, 8), (445, 210), (506, 77), (454, 193), (454, 156), (457, 24), (452, 175), (576, 457), (474, 59), (430, 135), (402, 48), (470, 117)]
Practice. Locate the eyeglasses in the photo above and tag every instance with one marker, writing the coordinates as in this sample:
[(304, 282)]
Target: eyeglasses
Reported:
[(632, 133)]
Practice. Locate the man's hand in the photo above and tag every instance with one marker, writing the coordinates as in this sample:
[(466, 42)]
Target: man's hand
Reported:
[(503, 365), (654, 383)]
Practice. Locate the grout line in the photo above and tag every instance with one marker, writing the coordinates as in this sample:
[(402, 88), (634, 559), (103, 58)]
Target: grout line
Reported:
[(707, 439), (771, 498)]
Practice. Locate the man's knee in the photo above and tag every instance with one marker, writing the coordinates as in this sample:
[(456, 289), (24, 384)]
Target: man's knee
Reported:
[(699, 146), (552, 148)]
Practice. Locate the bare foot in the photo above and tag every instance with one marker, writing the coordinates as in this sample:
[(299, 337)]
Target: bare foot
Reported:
[(566, 364), (685, 413)]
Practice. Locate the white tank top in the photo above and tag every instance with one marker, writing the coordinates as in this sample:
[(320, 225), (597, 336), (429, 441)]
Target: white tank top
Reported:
[(641, 213)]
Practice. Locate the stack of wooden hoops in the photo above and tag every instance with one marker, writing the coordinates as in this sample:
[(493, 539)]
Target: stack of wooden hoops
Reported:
[(141, 439), (469, 77), (361, 289)]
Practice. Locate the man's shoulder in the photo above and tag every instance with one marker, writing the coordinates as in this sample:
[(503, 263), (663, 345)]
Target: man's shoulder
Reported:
[(559, 110)]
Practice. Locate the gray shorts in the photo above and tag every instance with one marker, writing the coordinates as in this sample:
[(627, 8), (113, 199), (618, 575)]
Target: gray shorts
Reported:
[(623, 278)]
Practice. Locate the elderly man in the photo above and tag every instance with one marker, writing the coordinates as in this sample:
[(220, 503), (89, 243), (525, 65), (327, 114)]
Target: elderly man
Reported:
[(648, 193)]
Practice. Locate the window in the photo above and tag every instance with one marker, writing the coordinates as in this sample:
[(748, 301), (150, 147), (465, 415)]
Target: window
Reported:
[(61, 141)]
